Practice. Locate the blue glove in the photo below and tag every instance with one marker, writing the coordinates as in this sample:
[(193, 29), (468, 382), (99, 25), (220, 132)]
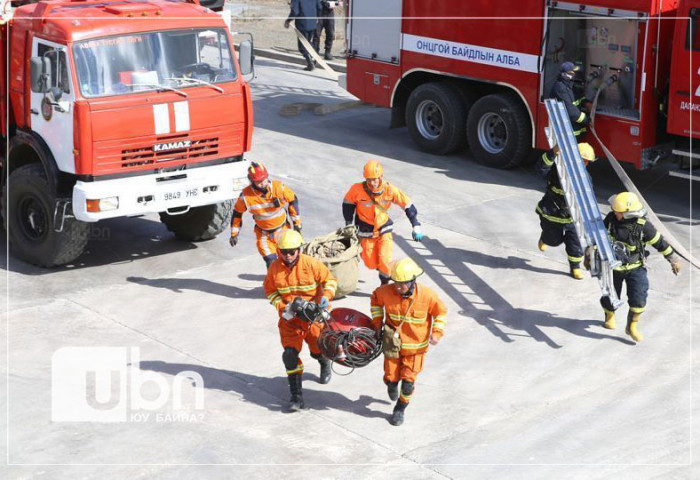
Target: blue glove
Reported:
[(417, 233), (323, 303)]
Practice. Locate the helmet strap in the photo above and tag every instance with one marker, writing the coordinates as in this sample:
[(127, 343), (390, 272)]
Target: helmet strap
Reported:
[(261, 190), (411, 288)]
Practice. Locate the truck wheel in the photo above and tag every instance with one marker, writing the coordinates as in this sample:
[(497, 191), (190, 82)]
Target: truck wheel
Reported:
[(29, 220), (436, 118), (200, 223), (499, 131)]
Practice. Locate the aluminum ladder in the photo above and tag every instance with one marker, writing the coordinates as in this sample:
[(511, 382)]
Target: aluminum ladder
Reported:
[(581, 200)]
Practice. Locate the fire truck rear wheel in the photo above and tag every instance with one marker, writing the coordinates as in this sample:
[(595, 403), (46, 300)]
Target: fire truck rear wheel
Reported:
[(199, 223), (498, 131), (436, 117), (30, 220)]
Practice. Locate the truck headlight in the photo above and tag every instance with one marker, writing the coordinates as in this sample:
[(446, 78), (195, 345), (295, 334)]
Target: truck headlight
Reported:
[(102, 204)]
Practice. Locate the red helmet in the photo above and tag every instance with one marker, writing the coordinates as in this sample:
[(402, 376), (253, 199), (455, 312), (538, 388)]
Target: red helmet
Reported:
[(349, 339), (257, 172)]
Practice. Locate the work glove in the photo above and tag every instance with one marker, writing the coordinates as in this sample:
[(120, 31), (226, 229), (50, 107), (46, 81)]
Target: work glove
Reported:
[(323, 303), (675, 263), (287, 23), (297, 228), (233, 241), (417, 233)]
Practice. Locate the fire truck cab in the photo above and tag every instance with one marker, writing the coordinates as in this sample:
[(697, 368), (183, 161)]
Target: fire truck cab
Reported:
[(478, 72), (119, 108)]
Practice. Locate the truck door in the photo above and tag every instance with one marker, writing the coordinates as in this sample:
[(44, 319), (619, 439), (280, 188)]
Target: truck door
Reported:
[(375, 29), (684, 87), (52, 118)]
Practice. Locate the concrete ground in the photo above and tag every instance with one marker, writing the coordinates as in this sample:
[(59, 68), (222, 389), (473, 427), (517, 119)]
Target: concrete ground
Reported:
[(525, 384)]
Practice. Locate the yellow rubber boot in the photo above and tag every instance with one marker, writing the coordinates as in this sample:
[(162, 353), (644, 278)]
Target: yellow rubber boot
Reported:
[(609, 320), (542, 246), (577, 273), (631, 330)]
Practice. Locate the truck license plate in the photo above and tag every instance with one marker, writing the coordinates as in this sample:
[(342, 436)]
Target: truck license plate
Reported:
[(180, 194)]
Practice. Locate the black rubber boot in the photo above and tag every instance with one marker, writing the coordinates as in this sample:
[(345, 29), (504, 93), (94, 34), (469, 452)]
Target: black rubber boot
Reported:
[(296, 403), (309, 65), (327, 55), (326, 371), (397, 417), (392, 389)]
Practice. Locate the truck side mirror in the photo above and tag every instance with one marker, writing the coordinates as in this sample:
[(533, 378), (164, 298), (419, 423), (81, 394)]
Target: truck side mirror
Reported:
[(40, 74), (246, 57)]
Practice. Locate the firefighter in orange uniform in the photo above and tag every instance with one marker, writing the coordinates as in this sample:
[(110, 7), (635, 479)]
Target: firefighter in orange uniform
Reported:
[(418, 316), (368, 203), (273, 206), (297, 275)]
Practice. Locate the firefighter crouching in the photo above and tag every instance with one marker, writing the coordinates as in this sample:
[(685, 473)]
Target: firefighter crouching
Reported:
[(368, 203), (413, 317), (555, 218), (563, 90), (297, 275), (631, 232), (273, 205)]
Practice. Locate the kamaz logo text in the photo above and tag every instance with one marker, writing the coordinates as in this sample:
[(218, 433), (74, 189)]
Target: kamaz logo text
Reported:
[(164, 147)]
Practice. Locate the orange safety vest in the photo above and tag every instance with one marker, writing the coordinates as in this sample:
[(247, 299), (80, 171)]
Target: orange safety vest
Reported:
[(422, 314), (308, 278), (375, 213), (269, 210)]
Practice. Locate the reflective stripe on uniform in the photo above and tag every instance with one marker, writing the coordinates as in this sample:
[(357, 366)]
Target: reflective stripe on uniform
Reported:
[(637, 309), (407, 319), (297, 288), (546, 160), (553, 218), (629, 266), (654, 240), (556, 190), (668, 251), (413, 346), (574, 259)]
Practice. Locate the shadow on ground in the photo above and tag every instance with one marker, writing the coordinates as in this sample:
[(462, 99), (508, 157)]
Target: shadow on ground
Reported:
[(111, 242), (177, 285), (482, 302), (271, 393)]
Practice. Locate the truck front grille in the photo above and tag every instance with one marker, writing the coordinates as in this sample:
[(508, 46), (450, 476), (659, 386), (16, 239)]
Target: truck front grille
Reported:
[(199, 149)]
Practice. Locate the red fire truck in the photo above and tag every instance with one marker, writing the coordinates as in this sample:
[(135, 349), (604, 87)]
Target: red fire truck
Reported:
[(479, 71), (118, 108)]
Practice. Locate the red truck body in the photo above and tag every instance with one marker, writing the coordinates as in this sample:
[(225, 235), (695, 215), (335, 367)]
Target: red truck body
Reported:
[(145, 110), (514, 49)]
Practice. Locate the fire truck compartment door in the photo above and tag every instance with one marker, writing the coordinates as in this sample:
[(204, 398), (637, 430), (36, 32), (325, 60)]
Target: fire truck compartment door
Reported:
[(684, 89), (375, 29)]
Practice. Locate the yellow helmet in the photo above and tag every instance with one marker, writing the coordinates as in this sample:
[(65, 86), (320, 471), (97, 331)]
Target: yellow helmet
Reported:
[(625, 202), (586, 151), (373, 169), (290, 240), (405, 270)]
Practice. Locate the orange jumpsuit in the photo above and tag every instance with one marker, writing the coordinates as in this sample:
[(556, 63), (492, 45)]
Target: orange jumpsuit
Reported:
[(423, 314), (309, 279), (373, 222), (269, 212)]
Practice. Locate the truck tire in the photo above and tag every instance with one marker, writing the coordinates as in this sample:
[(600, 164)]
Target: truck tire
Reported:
[(499, 131), (436, 118), (29, 220), (199, 223)]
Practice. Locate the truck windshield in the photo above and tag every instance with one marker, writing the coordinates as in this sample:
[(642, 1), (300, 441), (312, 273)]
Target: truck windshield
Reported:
[(146, 61)]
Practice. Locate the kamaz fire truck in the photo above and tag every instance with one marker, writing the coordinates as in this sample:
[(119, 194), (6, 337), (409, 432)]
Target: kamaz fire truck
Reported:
[(479, 71), (117, 108)]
